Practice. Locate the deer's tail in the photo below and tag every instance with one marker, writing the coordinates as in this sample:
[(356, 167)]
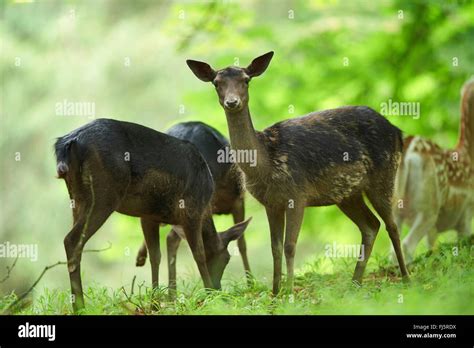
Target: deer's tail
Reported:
[(67, 155)]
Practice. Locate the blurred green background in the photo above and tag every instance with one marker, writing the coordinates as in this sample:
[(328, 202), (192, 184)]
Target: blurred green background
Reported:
[(127, 57)]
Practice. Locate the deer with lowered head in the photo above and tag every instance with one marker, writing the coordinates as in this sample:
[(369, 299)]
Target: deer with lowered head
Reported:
[(324, 158), (435, 186), (111, 165), (228, 197)]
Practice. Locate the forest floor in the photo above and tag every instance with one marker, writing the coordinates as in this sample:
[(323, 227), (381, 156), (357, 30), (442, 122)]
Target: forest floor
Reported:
[(442, 282)]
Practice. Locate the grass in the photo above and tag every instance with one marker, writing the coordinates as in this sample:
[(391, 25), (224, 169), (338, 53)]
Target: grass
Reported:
[(441, 283)]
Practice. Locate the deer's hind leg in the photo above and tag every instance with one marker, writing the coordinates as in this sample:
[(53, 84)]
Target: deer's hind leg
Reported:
[(92, 207), (381, 195), (141, 255), (172, 243), (464, 228), (356, 209)]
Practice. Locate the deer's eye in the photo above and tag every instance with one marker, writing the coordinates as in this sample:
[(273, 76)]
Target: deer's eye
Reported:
[(215, 83), (247, 81)]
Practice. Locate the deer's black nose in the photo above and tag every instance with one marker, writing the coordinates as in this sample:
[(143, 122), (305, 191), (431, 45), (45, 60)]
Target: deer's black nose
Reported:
[(231, 103)]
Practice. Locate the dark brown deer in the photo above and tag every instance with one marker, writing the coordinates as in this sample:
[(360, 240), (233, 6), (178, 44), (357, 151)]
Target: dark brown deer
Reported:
[(323, 158), (228, 196), (111, 165), (435, 186)]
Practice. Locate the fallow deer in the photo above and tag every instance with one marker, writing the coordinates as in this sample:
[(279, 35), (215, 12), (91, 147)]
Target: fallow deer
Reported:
[(324, 158), (111, 165), (435, 186), (228, 196)]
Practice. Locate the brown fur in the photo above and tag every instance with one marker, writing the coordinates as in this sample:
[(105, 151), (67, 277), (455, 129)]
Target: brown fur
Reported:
[(324, 158)]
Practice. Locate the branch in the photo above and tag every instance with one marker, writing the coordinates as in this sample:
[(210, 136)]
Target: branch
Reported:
[(129, 297), (9, 269), (140, 308), (98, 250), (9, 308), (133, 285)]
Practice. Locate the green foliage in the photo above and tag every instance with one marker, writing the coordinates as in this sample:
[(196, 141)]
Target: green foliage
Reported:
[(78, 51), (440, 284)]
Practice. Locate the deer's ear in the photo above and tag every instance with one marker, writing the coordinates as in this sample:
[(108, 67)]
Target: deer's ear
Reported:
[(203, 71), (234, 233), (259, 64)]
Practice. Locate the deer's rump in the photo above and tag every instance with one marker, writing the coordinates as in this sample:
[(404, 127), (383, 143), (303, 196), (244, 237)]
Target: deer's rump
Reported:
[(120, 156), (333, 153)]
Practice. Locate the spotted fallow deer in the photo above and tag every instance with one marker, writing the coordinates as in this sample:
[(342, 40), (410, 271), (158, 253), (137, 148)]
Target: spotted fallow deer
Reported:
[(435, 186), (324, 158)]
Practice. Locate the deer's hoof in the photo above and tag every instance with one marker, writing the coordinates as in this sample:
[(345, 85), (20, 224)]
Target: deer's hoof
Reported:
[(140, 261)]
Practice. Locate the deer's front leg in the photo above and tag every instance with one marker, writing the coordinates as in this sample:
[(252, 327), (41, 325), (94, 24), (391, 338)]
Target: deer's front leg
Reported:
[(276, 219), (193, 233), (431, 238), (420, 228), (294, 218), (151, 231), (464, 229)]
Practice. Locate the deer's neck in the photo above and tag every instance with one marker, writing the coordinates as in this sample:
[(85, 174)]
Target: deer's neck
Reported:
[(466, 134), (243, 139), (210, 236)]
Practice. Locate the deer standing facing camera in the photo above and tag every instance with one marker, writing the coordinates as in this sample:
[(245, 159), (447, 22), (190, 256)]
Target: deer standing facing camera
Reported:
[(324, 158)]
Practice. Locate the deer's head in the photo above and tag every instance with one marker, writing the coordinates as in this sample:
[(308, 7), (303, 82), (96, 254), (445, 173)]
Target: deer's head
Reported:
[(218, 258), (232, 83)]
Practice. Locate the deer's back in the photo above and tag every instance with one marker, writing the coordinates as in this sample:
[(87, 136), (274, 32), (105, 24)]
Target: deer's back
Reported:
[(332, 153), (151, 171)]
